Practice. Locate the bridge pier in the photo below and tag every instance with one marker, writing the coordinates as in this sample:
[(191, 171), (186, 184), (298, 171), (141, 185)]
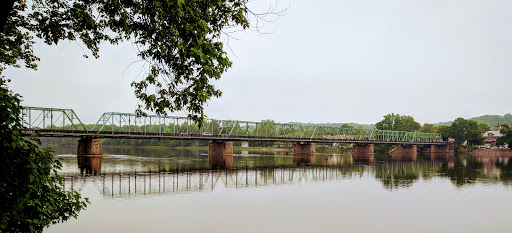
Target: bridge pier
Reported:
[(303, 153), (405, 152), (363, 153), (89, 146), (220, 154)]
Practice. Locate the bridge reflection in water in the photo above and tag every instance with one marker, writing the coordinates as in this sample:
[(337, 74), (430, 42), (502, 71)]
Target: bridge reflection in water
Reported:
[(127, 185), (393, 171), (392, 174)]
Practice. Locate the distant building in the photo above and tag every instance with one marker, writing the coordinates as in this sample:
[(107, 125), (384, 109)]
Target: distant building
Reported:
[(491, 137)]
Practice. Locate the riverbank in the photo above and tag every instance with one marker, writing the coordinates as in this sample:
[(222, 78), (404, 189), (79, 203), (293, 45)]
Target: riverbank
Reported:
[(495, 152)]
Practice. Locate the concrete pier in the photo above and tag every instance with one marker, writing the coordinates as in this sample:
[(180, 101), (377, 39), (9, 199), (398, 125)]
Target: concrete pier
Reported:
[(89, 146), (363, 153), (303, 153), (303, 148), (220, 154)]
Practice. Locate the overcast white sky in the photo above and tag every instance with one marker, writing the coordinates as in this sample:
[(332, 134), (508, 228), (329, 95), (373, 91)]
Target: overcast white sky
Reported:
[(327, 61)]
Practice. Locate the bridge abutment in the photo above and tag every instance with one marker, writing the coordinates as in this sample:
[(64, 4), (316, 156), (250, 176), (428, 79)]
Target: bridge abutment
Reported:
[(220, 154), (303, 153), (89, 146), (363, 153), (405, 152)]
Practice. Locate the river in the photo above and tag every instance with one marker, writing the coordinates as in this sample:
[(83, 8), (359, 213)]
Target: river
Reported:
[(173, 190)]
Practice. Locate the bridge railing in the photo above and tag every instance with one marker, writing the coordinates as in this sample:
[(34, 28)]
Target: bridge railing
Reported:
[(51, 118), (128, 123)]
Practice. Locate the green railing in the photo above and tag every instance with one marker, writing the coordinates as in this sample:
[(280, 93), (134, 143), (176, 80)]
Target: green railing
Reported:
[(155, 124)]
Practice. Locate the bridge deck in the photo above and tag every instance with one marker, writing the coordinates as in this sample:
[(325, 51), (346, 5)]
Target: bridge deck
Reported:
[(172, 136)]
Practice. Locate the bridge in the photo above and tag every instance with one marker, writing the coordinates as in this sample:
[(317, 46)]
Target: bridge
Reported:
[(55, 122)]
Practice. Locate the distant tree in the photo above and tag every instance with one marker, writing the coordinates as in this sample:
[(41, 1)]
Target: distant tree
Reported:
[(347, 126), (398, 123), (506, 130), (429, 128), (445, 131), (463, 130), (483, 127)]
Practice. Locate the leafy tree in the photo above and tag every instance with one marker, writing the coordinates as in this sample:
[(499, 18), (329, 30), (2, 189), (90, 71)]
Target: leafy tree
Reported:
[(398, 123), (429, 128), (506, 130), (347, 126), (463, 130), (31, 192), (180, 41), (445, 131), (483, 127)]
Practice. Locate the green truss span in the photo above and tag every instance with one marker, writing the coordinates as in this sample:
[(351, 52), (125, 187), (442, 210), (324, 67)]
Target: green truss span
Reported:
[(128, 123)]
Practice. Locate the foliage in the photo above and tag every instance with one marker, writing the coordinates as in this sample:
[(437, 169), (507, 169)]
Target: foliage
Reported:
[(31, 192), (506, 130), (444, 131), (463, 130), (346, 126), (337, 125), (429, 128), (483, 127), (398, 123), (179, 41)]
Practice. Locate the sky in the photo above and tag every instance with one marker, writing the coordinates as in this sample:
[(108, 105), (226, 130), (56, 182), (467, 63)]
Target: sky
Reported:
[(325, 61)]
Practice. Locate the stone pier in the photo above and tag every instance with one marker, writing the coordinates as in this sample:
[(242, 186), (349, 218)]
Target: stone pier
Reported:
[(405, 152), (89, 156), (362, 153), (89, 146), (220, 154), (303, 153)]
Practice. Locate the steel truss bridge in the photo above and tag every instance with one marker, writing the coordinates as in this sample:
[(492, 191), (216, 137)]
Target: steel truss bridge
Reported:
[(49, 122)]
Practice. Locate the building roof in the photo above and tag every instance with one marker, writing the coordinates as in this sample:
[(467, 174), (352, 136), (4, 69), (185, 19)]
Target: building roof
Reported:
[(495, 134)]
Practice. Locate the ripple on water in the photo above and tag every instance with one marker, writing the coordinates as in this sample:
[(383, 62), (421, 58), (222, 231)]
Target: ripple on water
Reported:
[(66, 155)]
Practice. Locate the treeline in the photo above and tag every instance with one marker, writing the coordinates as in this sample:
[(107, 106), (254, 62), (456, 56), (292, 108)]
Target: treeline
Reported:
[(337, 125), (491, 120)]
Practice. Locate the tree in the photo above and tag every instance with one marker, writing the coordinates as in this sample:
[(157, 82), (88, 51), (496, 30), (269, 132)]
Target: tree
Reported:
[(31, 192), (398, 123), (180, 41), (445, 131), (463, 130), (483, 127), (428, 128), (347, 126), (506, 130)]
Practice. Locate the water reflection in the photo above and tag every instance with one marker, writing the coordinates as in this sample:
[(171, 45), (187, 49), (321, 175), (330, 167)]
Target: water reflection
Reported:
[(128, 185), (89, 164), (394, 171)]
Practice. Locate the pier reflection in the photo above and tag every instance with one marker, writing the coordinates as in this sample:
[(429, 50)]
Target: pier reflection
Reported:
[(89, 164)]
